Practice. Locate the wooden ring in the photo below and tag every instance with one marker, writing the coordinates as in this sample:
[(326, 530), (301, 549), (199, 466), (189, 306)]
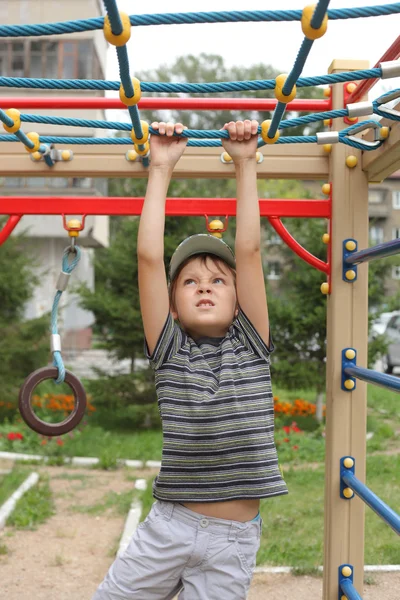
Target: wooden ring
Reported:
[(25, 407)]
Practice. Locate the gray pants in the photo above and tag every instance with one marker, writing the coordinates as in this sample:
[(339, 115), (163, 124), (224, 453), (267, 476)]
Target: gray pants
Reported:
[(178, 550)]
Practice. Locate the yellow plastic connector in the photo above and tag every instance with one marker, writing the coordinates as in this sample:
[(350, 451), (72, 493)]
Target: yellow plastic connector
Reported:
[(346, 571), (145, 150), (326, 238), (349, 384), (350, 87), (327, 92), (351, 161), (348, 463), (215, 225), (348, 493), (123, 37), (36, 156), (384, 133), (310, 32), (226, 158), (137, 93), (265, 125), (34, 137), (350, 275), (66, 155), (279, 84), (131, 156), (74, 227), (326, 189), (15, 115), (145, 137), (350, 245), (327, 148), (324, 288), (350, 354)]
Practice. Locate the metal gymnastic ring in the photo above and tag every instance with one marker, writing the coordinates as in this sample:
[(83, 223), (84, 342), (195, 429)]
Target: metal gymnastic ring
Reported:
[(25, 408)]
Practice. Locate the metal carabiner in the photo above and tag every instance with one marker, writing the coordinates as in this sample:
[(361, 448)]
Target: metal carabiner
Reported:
[(384, 111), (362, 127)]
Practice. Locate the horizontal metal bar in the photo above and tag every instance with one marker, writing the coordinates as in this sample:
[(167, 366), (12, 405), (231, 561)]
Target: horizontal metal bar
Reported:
[(379, 251), (389, 382), (349, 590), (372, 500), (114, 205), (363, 88), (156, 103)]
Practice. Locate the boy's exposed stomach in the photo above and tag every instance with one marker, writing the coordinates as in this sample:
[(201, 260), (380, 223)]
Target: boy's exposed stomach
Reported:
[(232, 510)]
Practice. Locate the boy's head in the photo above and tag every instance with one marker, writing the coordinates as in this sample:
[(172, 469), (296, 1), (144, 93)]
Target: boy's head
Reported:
[(203, 286)]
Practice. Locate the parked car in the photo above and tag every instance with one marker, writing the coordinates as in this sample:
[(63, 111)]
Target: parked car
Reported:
[(388, 324)]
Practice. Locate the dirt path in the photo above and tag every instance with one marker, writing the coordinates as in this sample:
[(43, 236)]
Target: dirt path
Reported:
[(68, 556)]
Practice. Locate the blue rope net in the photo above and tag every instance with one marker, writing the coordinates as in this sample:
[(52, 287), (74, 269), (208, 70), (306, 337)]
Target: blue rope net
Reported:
[(196, 137)]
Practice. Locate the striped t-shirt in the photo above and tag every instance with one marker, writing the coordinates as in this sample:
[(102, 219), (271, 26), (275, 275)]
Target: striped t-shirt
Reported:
[(217, 410)]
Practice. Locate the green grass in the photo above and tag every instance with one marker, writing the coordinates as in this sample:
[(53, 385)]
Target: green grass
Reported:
[(11, 482), (117, 504), (35, 506)]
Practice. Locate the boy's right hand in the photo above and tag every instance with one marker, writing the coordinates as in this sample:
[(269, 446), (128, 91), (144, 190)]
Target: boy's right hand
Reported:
[(165, 149)]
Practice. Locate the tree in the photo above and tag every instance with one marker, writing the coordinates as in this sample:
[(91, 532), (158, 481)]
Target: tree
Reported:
[(24, 344)]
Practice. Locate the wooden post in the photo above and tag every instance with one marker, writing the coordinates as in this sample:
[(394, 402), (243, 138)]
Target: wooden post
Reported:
[(347, 326)]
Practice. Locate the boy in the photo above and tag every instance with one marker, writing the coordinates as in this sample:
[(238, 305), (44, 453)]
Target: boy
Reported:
[(214, 393)]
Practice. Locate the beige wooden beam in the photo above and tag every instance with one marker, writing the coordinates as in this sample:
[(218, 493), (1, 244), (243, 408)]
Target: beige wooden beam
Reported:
[(289, 161), (347, 326), (381, 163)]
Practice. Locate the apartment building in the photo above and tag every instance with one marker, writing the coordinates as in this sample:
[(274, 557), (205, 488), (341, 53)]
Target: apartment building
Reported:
[(67, 56)]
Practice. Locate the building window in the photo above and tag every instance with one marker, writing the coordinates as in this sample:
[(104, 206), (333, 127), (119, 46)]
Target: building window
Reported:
[(76, 59), (376, 234), (375, 196), (396, 199), (395, 233), (395, 272), (274, 270)]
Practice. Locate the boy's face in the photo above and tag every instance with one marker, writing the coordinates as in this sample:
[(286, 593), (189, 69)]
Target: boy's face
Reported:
[(205, 299)]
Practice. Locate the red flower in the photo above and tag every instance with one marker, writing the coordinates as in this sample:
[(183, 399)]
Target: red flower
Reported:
[(286, 429), (14, 436), (285, 439), (11, 436), (60, 442), (19, 436), (296, 429), (295, 447), (43, 442)]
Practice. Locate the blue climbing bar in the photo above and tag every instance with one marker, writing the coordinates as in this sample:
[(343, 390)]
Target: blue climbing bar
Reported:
[(379, 251), (349, 590), (372, 500), (390, 382)]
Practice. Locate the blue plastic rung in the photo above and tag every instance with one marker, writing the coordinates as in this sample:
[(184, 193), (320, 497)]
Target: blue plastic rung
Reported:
[(378, 251), (383, 511), (346, 586)]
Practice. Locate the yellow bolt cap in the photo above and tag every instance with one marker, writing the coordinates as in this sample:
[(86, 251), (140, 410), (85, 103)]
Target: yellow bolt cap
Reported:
[(351, 161), (66, 155), (348, 493), (327, 148), (350, 354), (384, 133), (349, 384), (131, 155), (324, 288), (326, 189), (36, 155), (352, 119), (226, 157), (216, 224), (350, 274), (350, 245), (348, 463), (350, 87), (326, 238), (327, 92), (327, 122), (346, 571)]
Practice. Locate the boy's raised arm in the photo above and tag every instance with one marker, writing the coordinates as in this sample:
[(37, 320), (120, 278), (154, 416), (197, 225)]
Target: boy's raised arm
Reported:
[(250, 284), (153, 289)]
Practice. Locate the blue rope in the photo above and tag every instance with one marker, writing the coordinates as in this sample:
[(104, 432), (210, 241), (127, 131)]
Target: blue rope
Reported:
[(191, 18), (199, 142), (67, 268), (123, 62), (197, 88), (298, 66)]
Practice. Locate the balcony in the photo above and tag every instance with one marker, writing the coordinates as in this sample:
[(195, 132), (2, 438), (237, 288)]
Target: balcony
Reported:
[(378, 211)]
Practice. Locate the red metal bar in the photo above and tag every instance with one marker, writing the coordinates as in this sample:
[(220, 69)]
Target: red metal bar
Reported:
[(8, 228), (391, 53), (166, 103), (296, 247), (114, 205)]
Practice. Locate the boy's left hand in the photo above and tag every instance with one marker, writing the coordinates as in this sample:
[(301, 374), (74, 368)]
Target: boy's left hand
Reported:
[(242, 142)]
